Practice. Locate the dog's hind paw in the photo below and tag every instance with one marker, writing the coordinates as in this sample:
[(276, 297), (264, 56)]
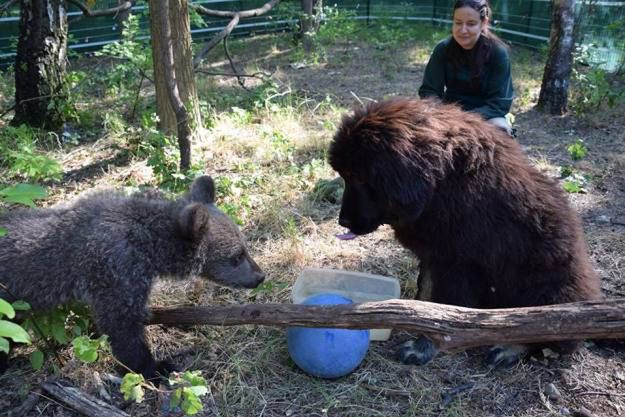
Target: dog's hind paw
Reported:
[(417, 352)]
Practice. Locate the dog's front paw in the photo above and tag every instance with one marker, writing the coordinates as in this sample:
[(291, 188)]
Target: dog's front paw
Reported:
[(505, 356), (417, 352)]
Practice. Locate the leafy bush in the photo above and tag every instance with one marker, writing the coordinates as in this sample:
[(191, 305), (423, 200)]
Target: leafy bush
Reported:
[(57, 327), (20, 194), (577, 150), (8, 329), (134, 59), (188, 387), (575, 181), (163, 156), (593, 87), (19, 153)]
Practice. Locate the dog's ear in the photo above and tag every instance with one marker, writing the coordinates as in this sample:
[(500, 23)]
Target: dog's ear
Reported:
[(407, 191)]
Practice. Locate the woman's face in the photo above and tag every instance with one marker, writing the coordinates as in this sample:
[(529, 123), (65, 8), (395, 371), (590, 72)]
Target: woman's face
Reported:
[(467, 27)]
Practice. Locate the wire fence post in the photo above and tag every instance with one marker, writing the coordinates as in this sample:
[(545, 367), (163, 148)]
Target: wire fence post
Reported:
[(528, 27)]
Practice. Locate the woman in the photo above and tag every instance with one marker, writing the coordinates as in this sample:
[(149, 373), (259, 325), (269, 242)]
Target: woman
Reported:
[(472, 67)]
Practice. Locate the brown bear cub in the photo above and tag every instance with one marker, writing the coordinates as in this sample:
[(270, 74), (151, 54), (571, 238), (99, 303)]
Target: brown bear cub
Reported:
[(106, 249), (490, 231)]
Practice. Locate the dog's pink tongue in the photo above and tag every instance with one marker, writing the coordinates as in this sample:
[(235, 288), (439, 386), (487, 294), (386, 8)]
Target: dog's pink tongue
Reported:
[(347, 236)]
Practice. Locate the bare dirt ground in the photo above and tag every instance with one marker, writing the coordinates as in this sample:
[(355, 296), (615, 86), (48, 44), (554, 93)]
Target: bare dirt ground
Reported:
[(248, 369)]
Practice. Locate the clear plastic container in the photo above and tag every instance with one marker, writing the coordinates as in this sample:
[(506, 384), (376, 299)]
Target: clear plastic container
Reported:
[(360, 287)]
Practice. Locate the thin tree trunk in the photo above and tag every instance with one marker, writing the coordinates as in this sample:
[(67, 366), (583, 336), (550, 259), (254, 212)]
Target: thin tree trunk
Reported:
[(309, 22), (555, 86), (41, 64), (450, 327), (176, 94)]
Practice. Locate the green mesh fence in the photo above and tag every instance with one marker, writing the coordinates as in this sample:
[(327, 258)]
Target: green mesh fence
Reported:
[(524, 22)]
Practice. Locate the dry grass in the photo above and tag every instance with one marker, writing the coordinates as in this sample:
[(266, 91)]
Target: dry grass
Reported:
[(273, 155)]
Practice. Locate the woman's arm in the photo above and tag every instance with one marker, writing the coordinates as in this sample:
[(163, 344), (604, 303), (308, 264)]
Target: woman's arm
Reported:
[(434, 77), (498, 92)]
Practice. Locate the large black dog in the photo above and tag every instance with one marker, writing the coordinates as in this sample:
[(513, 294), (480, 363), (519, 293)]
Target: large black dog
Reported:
[(489, 230)]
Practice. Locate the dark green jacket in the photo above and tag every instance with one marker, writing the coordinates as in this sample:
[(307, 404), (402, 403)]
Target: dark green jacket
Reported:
[(491, 97)]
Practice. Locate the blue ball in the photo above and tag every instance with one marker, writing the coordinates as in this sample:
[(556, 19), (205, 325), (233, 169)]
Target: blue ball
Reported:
[(326, 352)]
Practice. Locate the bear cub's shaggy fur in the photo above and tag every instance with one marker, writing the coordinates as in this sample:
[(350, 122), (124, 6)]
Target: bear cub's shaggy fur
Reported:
[(106, 248)]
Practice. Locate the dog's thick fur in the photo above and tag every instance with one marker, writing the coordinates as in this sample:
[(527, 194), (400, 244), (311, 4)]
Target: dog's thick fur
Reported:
[(489, 229), (106, 248)]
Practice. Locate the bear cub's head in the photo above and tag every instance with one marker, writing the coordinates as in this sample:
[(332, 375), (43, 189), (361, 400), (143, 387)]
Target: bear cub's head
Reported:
[(222, 255)]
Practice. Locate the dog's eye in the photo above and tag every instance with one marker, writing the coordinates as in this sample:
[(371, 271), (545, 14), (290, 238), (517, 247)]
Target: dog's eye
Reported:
[(237, 259)]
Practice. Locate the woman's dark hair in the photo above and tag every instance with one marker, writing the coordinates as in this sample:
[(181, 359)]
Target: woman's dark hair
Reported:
[(481, 52)]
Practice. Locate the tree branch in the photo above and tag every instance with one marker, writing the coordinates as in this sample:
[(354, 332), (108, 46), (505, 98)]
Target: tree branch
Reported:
[(4, 7), (226, 13), (236, 17), (234, 69), (80, 401), (104, 12), (450, 327), (215, 40)]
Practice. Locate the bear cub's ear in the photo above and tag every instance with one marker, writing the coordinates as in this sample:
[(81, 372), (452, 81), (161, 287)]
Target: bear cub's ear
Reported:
[(203, 190), (193, 221)]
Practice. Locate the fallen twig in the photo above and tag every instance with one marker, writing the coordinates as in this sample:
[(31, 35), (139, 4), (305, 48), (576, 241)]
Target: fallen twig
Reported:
[(80, 401)]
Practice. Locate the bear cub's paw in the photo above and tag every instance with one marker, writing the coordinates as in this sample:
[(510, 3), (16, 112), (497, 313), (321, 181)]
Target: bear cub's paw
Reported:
[(416, 352), (505, 356)]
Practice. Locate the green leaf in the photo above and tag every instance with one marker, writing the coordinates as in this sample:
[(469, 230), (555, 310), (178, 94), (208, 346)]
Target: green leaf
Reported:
[(571, 187), (198, 390), (6, 309), (194, 378), (131, 387), (58, 332), (577, 150), (4, 345), (23, 194), (566, 171), (3, 231), (36, 359), (13, 331), (85, 349), (175, 399), (21, 305), (191, 404)]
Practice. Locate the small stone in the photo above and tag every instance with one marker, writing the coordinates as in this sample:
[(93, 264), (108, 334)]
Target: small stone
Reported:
[(550, 354), (552, 392), (583, 412), (564, 411), (602, 219)]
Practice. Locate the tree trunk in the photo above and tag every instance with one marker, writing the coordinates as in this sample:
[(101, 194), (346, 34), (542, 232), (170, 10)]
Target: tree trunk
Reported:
[(450, 327), (172, 122), (555, 86), (309, 22), (40, 64)]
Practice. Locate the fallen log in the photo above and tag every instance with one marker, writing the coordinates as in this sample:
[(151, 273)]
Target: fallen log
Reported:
[(80, 401), (450, 327)]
